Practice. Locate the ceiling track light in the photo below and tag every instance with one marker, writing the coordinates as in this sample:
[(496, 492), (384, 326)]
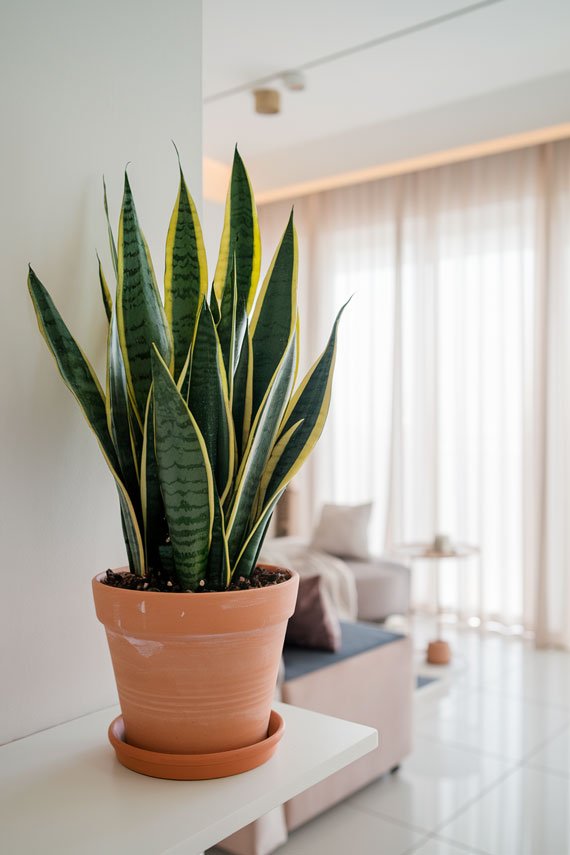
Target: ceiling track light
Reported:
[(267, 101), (294, 80)]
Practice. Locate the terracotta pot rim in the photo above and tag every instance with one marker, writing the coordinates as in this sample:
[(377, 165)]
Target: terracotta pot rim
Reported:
[(207, 596)]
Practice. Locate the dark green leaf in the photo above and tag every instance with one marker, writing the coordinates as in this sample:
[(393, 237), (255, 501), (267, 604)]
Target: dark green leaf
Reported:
[(207, 400), (185, 476), (140, 313), (275, 313), (261, 440), (186, 275)]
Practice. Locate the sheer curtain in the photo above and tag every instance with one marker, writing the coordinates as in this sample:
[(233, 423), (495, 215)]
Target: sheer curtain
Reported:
[(451, 405)]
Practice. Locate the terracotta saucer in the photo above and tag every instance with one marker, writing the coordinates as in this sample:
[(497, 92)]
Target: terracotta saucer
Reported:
[(195, 767)]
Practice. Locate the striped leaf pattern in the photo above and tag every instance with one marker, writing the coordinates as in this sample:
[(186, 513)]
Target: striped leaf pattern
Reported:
[(218, 574), (249, 552), (276, 453), (243, 392), (141, 317), (310, 406), (81, 380), (185, 477), (208, 399), (232, 327), (261, 440), (240, 236), (131, 531), (74, 367), (275, 313), (118, 417), (153, 513), (199, 424), (186, 274)]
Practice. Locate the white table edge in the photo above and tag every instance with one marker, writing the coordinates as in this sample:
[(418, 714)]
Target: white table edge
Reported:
[(266, 802), (357, 740)]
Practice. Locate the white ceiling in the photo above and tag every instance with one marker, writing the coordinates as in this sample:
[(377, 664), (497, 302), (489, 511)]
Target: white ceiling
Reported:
[(506, 62)]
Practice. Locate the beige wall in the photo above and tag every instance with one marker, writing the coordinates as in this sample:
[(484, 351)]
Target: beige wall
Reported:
[(85, 88)]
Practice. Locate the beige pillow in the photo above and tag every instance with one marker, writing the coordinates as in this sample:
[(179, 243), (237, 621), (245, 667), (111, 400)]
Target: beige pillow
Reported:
[(343, 531)]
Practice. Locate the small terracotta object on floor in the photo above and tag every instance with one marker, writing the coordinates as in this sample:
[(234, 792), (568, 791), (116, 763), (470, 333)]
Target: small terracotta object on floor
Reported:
[(438, 653)]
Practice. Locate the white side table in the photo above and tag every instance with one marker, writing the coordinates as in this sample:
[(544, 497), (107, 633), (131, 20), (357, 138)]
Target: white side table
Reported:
[(62, 792), (438, 651)]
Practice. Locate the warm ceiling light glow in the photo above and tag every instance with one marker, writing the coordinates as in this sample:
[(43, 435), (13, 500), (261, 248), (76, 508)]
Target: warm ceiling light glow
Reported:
[(415, 164)]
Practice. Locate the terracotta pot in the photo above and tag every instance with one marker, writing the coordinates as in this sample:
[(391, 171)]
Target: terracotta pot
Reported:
[(195, 673)]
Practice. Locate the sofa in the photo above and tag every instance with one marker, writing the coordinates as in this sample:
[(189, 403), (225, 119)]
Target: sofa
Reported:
[(369, 590), (375, 670)]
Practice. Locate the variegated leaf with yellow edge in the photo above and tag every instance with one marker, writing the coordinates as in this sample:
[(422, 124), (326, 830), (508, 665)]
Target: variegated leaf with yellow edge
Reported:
[(186, 479), (185, 274), (261, 440), (208, 400), (119, 420), (240, 236), (81, 380), (243, 392), (153, 513), (309, 405), (141, 319), (105, 293), (275, 313)]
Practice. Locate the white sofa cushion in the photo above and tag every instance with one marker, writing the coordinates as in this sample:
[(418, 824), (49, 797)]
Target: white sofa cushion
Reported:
[(343, 530)]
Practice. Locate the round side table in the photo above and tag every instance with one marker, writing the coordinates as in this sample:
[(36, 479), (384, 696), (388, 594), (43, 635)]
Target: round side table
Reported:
[(438, 651)]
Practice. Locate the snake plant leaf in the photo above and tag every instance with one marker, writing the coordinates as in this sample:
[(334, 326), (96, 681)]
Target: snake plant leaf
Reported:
[(208, 400), (186, 479), (276, 452), (112, 245), (105, 293), (240, 236), (310, 403), (131, 531), (243, 392), (81, 380), (118, 412), (140, 314), (183, 381), (261, 439), (124, 526), (249, 553), (232, 327), (275, 313), (185, 275), (153, 513), (73, 365), (218, 573), (214, 307)]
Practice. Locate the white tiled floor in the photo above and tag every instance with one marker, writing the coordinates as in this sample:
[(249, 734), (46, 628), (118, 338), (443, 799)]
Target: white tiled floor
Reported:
[(490, 771)]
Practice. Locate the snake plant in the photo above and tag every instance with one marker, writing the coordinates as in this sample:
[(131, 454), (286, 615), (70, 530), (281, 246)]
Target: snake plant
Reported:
[(200, 421)]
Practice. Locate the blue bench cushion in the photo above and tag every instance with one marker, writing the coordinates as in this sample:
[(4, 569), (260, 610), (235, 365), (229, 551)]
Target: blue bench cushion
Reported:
[(356, 638)]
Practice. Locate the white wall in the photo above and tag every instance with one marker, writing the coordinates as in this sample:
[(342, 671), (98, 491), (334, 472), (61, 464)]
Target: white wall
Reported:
[(212, 224), (86, 87)]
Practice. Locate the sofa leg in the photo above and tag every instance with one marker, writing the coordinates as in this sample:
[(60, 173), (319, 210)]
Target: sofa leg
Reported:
[(395, 769)]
